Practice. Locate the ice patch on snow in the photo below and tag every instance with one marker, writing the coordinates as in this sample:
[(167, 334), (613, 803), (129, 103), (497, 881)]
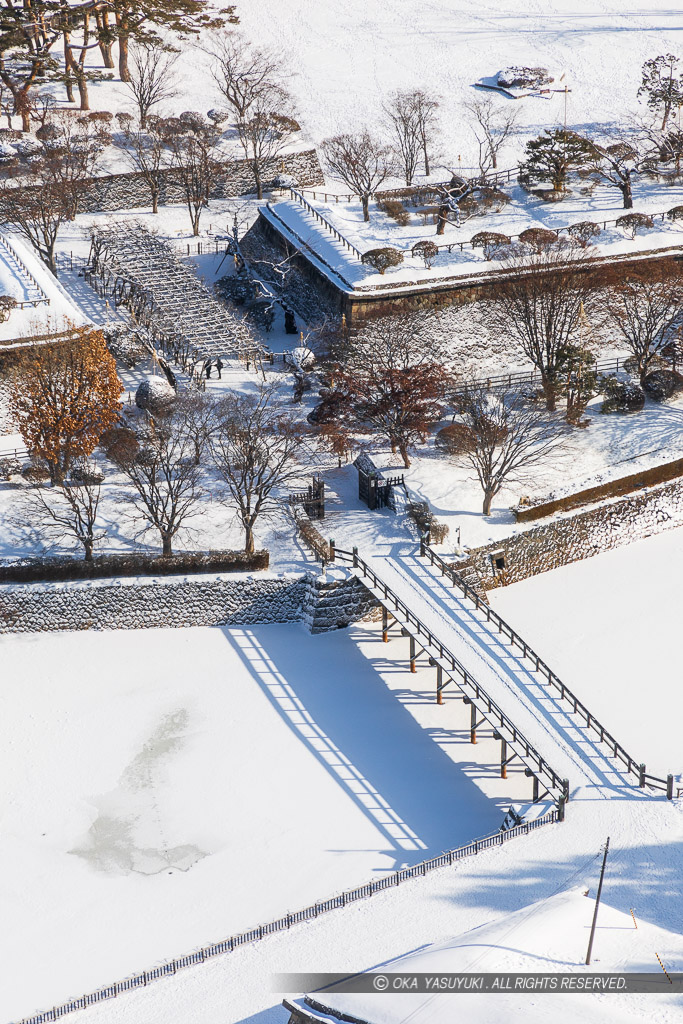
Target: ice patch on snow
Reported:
[(128, 833)]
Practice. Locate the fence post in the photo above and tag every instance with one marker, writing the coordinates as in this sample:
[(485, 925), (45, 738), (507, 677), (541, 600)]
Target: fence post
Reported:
[(331, 545), (641, 776), (355, 557), (669, 787)]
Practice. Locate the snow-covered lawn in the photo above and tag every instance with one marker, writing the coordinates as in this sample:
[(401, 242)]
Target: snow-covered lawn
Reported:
[(167, 788), (609, 626)]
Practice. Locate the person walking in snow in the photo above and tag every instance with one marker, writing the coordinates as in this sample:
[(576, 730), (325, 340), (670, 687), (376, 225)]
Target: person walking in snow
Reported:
[(208, 369), (219, 366)]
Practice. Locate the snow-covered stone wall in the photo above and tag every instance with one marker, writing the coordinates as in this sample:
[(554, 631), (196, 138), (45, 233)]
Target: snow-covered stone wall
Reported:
[(215, 600), (570, 538), (129, 190)]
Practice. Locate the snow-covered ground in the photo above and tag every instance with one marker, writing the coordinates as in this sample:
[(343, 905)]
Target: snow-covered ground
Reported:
[(609, 626), (491, 903), (32, 281), (167, 788)]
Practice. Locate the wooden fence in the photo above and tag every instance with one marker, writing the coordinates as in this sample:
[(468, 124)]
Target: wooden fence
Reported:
[(309, 913), (632, 766)]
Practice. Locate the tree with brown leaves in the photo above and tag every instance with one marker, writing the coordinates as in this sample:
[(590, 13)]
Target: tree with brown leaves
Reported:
[(391, 382), (66, 395)]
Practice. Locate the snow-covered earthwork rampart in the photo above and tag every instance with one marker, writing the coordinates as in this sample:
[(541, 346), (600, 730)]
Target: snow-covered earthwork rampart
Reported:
[(571, 537), (217, 600)]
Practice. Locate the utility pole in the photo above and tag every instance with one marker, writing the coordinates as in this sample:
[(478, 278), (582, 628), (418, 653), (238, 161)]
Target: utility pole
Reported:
[(597, 903)]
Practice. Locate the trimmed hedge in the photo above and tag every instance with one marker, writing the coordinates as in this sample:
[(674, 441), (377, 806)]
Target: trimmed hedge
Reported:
[(55, 570)]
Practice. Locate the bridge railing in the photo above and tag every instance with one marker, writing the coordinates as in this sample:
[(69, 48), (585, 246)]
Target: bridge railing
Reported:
[(495, 716), (578, 707)]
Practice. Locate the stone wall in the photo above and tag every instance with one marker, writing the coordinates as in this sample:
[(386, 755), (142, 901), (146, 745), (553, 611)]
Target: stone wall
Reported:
[(128, 191), (220, 600), (572, 537)]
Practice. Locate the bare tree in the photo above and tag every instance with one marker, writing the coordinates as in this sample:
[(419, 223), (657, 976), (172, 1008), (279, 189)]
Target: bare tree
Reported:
[(403, 113), (539, 302), (191, 144), (66, 508), (244, 74), (160, 464), (645, 307), (361, 162), (256, 451), (502, 438), (147, 151), (492, 126), (263, 135), (426, 107), (196, 413), (151, 79), (27, 35)]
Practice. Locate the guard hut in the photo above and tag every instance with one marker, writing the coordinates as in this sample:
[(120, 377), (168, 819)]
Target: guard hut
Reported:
[(373, 489)]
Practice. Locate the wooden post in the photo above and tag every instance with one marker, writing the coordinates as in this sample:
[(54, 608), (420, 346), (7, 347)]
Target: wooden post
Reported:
[(597, 903), (641, 776), (439, 684), (331, 545), (534, 798), (503, 758), (385, 625), (412, 654), (669, 787), (473, 724), (355, 558)]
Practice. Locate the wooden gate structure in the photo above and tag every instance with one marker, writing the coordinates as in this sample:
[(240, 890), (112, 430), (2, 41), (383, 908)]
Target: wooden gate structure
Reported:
[(375, 490)]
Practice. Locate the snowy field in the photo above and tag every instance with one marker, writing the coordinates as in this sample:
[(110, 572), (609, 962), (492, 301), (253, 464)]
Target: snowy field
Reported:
[(167, 788), (609, 626), (516, 908)]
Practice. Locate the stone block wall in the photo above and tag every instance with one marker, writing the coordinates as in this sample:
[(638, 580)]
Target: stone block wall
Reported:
[(226, 599), (572, 537), (129, 190)]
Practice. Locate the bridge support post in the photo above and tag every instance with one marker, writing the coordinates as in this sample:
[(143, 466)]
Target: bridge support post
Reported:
[(503, 759), (412, 654), (385, 625), (439, 687), (473, 724)]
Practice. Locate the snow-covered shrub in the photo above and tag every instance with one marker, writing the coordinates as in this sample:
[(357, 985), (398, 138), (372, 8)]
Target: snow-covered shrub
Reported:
[(426, 250), (584, 232), (7, 304), (9, 467), (218, 117), (7, 152), (517, 77), (48, 133), (492, 200), (394, 209), (35, 471), (155, 395), (125, 345), (285, 181), (676, 213), (622, 396), (490, 242), (87, 473), (662, 384), (28, 146), (125, 120), (301, 358), (192, 118), (630, 223), (382, 259), (538, 238)]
